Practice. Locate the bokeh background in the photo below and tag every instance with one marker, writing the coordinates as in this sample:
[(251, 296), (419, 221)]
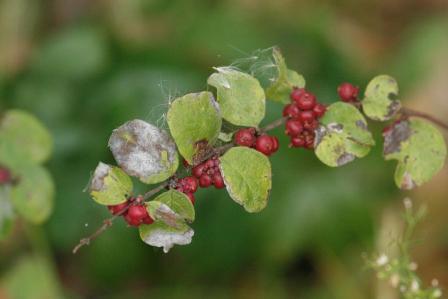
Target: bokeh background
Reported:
[(84, 67)]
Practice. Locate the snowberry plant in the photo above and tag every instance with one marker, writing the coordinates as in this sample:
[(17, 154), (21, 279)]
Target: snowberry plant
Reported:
[(237, 159), (26, 187)]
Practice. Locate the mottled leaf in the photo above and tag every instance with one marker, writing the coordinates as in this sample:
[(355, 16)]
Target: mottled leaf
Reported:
[(32, 196), (6, 212), (419, 148), (110, 185), (285, 81), (172, 208), (342, 136), (241, 97), (194, 121), (160, 234), (380, 101), (144, 151), (27, 134), (247, 175)]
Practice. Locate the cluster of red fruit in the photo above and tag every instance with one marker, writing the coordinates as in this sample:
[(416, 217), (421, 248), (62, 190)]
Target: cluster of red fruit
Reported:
[(348, 92), (208, 173), (187, 185), (303, 113), (5, 176), (263, 143), (135, 215)]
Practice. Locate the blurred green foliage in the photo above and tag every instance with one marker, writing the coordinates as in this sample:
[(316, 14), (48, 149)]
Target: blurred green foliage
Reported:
[(86, 67)]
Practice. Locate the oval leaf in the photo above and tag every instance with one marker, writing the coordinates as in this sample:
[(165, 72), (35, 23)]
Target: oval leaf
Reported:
[(285, 81), (195, 122), (160, 234), (110, 185), (27, 134), (241, 97), (171, 207), (144, 151), (32, 197), (380, 101), (342, 136), (247, 175), (419, 148)]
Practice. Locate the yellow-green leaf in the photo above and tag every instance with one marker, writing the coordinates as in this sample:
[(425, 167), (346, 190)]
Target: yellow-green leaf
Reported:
[(241, 97), (380, 100), (418, 147), (247, 175)]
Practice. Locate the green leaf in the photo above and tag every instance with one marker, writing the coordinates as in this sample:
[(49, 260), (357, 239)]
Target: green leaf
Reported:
[(110, 185), (380, 101), (171, 207), (342, 136), (160, 234), (286, 80), (225, 137), (27, 134), (144, 151), (32, 197), (31, 277), (195, 122), (241, 97), (418, 147), (6, 212), (247, 175)]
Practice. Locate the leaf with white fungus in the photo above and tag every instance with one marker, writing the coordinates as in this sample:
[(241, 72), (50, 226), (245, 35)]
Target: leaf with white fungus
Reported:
[(285, 81), (194, 119), (144, 151), (380, 101), (419, 148), (27, 134), (248, 178), (241, 97), (172, 207), (160, 234), (110, 185), (342, 136)]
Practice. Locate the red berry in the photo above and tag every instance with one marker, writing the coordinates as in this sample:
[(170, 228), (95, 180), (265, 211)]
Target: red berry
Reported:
[(264, 144), (209, 163), (319, 110), (311, 125), (348, 92), (275, 143), (293, 127), (306, 116), (205, 181), (298, 141), (245, 137), (116, 209), (137, 212), (291, 110), (132, 221), (191, 197), (148, 220), (306, 101), (296, 93), (5, 175), (198, 170), (218, 181), (190, 184)]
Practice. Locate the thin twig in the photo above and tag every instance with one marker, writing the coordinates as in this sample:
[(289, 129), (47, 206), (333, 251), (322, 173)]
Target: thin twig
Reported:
[(410, 112), (217, 151)]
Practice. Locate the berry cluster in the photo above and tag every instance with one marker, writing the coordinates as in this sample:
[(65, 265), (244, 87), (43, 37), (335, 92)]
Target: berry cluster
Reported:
[(135, 215), (348, 92), (303, 113), (208, 173), (5, 176), (187, 185), (263, 143)]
